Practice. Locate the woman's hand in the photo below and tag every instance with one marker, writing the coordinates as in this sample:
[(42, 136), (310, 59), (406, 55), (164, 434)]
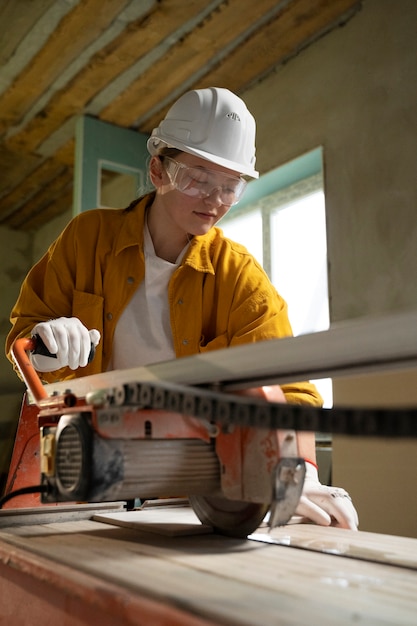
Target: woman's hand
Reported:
[(326, 506), (68, 340)]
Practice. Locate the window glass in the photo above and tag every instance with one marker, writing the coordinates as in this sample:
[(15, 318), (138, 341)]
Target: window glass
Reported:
[(299, 261), (286, 232), (246, 228)]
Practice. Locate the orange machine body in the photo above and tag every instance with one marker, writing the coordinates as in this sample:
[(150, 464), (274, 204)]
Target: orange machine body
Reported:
[(246, 457)]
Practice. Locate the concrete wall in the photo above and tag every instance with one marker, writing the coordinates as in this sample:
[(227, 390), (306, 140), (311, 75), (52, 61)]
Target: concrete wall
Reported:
[(15, 255), (18, 251), (354, 92)]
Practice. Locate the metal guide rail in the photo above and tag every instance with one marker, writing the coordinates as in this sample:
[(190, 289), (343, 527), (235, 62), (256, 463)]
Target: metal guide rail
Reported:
[(361, 346)]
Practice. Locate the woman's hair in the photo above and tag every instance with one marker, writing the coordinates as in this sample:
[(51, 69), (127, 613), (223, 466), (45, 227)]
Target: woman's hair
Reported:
[(168, 152), (147, 186)]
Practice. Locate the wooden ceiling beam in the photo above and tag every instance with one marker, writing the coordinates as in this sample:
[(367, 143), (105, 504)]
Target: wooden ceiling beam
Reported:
[(47, 194), (275, 43), (39, 178), (135, 42), (174, 46), (82, 25), (14, 168), (55, 208), (283, 38), (23, 15), (181, 63)]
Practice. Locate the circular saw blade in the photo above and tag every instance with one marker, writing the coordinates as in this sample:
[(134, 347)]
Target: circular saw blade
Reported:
[(229, 517)]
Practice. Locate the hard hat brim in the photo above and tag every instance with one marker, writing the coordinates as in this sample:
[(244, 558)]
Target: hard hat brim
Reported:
[(154, 145)]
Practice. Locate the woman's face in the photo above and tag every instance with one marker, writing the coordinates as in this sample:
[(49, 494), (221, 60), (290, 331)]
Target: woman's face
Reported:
[(192, 214)]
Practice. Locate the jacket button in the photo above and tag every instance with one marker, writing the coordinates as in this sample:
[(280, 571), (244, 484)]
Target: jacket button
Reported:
[(185, 342), (180, 301), (109, 316), (130, 280)]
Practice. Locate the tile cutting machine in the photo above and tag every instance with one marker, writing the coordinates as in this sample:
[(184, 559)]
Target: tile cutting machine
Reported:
[(144, 433)]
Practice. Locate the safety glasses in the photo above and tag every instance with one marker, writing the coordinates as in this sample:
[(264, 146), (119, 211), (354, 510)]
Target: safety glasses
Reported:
[(200, 182)]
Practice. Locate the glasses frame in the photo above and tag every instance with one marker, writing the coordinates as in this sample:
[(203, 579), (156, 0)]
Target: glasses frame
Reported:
[(200, 193)]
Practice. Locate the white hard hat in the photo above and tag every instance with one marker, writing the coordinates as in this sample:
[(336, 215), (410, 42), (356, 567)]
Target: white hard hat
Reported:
[(213, 124)]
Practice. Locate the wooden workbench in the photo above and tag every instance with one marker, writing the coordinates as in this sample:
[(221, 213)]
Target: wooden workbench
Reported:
[(160, 567)]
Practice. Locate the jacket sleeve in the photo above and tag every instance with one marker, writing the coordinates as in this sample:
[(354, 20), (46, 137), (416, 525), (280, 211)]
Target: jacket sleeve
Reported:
[(46, 293), (266, 315), (256, 312)]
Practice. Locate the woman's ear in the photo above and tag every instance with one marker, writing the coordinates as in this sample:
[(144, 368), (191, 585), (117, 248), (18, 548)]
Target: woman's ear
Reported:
[(156, 172)]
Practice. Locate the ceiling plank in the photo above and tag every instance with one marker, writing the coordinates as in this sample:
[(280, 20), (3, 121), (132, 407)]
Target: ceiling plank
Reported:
[(75, 31), (23, 15), (37, 176), (14, 167), (46, 195), (139, 39), (61, 204), (170, 74), (40, 177), (281, 38), (65, 154), (126, 61)]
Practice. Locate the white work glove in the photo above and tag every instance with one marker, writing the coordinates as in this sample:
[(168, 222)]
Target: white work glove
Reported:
[(326, 506), (69, 339)]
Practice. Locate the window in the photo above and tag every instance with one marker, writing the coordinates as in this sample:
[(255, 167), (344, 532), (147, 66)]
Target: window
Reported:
[(286, 232)]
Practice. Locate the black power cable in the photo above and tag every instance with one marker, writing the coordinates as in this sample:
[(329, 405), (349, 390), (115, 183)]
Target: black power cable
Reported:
[(23, 491)]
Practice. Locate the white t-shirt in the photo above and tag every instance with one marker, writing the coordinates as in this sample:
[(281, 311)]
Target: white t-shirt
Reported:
[(143, 333)]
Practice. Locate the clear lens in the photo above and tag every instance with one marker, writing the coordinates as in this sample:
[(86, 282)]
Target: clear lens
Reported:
[(201, 182)]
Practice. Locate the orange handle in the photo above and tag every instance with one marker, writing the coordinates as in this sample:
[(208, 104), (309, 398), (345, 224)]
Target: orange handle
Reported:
[(26, 369)]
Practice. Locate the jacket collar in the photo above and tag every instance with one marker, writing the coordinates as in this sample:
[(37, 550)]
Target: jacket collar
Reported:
[(133, 224), (198, 254), (132, 230)]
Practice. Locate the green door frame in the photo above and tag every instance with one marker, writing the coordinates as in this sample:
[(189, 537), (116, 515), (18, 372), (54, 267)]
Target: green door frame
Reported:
[(100, 145)]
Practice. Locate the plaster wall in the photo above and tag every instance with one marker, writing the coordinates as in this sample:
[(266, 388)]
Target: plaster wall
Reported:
[(15, 255), (354, 92)]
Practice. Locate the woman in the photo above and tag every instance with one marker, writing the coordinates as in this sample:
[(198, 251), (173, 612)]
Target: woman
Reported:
[(158, 280)]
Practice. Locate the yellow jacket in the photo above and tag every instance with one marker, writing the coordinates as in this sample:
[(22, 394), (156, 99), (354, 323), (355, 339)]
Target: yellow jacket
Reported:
[(219, 296)]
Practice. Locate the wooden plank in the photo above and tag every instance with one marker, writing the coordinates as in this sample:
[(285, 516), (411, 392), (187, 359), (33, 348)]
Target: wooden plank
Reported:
[(41, 214), (47, 194), (228, 580), (31, 178), (57, 206), (263, 50), (23, 15), (206, 44), (298, 25), (139, 38), (86, 21), (105, 66), (180, 63), (29, 186), (65, 154), (35, 592), (14, 168)]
